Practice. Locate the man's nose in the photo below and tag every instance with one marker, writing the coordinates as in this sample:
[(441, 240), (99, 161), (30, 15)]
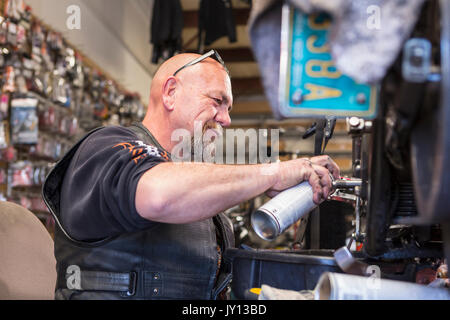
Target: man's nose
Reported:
[(223, 117)]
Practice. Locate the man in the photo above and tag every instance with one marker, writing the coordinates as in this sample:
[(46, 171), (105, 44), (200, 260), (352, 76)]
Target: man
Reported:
[(132, 224)]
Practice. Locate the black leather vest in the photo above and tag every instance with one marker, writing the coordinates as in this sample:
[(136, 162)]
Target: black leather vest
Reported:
[(167, 261)]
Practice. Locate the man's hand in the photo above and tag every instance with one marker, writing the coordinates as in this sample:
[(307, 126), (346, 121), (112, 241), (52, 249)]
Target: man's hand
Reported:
[(316, 171), (327, 162)]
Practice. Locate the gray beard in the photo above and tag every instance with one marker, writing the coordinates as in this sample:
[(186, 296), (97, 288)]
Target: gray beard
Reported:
[(208, 150), (207, 147)]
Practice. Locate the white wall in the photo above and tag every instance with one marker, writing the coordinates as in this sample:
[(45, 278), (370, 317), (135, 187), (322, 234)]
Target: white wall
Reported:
[(114, 34)]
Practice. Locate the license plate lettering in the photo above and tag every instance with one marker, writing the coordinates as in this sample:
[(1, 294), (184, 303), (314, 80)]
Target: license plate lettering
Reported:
[(310, 83), (321, 92)]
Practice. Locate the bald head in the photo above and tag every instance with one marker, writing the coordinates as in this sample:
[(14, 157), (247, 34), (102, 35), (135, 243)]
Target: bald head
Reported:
[(197, 93), (170, 66)]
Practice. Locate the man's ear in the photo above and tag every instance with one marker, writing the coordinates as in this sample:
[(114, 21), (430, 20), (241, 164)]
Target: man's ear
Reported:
[(168, 93)]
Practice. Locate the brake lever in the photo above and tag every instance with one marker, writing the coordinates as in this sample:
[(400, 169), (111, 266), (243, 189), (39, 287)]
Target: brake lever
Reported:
[(329, 127), (328, 130), (310, 131)]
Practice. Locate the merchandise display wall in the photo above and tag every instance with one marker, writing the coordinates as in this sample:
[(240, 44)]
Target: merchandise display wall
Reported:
[(50, 96)]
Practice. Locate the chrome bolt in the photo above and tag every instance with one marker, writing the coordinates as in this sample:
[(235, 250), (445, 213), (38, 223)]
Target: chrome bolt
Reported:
[(353, 121), (297, 97), (361, 98)]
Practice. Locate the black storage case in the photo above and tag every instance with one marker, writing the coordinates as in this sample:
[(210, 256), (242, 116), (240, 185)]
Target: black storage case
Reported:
[(288, 269)]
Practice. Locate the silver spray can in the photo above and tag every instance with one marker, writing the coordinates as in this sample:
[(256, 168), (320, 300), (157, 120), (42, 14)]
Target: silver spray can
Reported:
[(283, 210)]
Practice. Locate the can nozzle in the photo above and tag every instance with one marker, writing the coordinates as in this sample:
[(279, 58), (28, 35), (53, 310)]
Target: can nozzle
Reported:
[(347, 183)]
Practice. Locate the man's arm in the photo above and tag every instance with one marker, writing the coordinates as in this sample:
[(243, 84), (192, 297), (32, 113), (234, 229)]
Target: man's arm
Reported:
[(187, 192)]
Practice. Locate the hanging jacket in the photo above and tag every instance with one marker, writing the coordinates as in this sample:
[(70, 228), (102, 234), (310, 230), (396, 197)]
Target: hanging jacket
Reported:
[(215, 21), (166, 29), (166, 261)]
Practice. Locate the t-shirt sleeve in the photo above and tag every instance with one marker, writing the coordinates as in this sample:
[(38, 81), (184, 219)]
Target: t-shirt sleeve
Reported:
[(99, 188)]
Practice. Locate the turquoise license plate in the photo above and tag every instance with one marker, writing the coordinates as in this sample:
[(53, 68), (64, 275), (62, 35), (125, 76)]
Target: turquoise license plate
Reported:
[(310, 84)]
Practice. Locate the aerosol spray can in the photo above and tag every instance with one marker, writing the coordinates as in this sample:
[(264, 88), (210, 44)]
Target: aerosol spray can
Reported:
[(289, 206), (278, 214)]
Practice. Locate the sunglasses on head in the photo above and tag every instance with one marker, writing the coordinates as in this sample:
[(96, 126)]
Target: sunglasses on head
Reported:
[(212, 53)]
